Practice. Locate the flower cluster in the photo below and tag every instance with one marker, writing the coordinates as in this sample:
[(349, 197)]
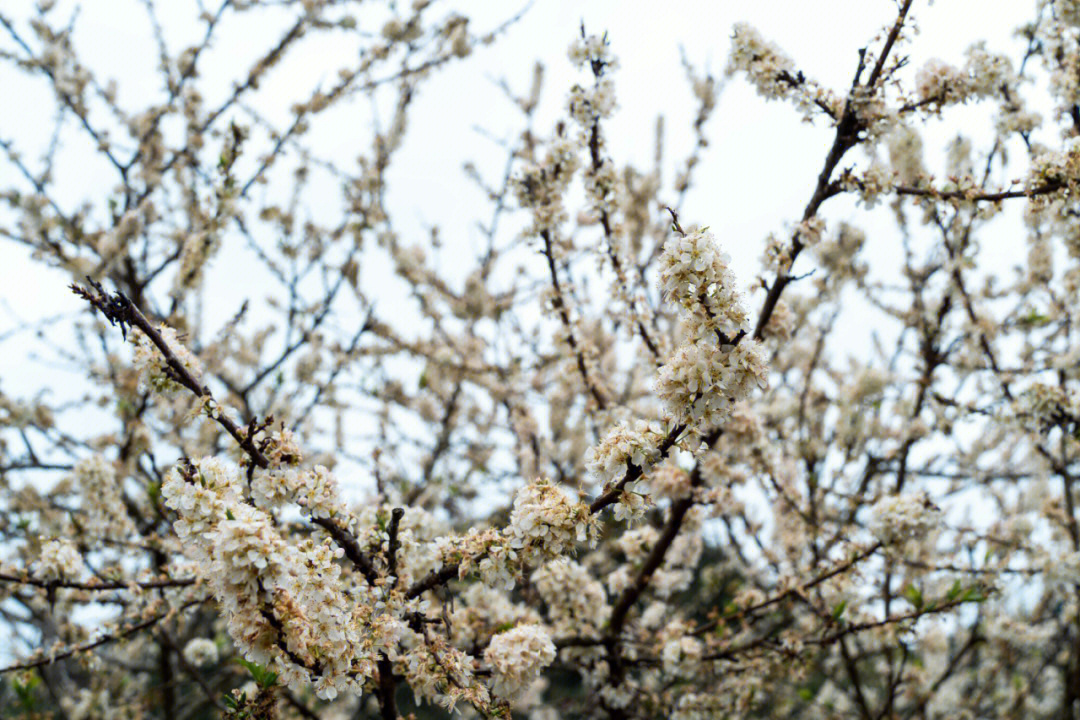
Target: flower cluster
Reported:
[(898, 518), (315, 490), (544, 522), (571, 611), (624, 445), (541, 186), (695, 274), (774, 75), (517, 657), (715, 366), (106, 514), (704, 380), (941, 83), (286, 604), (765, 65), (682, 656), (59, 560), (152, 366), (1048, 406), (985, 74), (202, 494), (201, 652)]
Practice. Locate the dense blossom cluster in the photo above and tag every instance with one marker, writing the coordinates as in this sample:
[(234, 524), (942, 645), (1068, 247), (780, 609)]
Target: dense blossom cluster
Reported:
[(58, 560), (201, 652), (518, 656), (153, 366), (546, 523), (896, 518)]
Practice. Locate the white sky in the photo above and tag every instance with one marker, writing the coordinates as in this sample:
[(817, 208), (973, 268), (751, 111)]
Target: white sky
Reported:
[(755, 178)]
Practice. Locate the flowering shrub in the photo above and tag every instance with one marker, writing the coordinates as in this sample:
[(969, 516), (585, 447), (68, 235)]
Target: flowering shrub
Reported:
[(319, 467)]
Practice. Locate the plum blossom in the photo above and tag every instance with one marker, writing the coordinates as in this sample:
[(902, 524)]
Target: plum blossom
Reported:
[(517, 657)]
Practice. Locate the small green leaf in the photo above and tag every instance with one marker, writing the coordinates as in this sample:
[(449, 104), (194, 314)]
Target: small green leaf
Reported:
[(1034, 319), (954, 591), (838, 611), (973, 594), (914, 596), (263, 677)]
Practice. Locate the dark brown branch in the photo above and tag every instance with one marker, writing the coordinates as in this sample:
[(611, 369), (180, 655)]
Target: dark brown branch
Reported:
[(104, 640), (97, 585), (118, 309)]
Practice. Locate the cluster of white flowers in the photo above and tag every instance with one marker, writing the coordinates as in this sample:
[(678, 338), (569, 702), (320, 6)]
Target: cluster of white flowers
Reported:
[(201, 652), (941, 83), (253, 571), (106, 514), (315, 490), (906, 155), (989, 74), (622, 445), (984, 75), (671, 481), (544, 523), (695, 274), (196, 250), (762, 61), (484, 610), (839, 255), (774, 76), (1046, 406), (588, 105), (202, 495), (682, 656), (715, 366), (59, 560), (1055, 168), (575, 599), (592, 49), (602, 187), (541, 186), (897, 518), (704, 380), (517, 657), (443, 674), (151, 365), (257, 575)]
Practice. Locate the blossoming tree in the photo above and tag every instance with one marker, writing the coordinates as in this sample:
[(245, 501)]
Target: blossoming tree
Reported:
[(593, 474)]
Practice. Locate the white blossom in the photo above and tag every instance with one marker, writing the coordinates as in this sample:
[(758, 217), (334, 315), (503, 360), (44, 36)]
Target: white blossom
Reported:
[(517, 657)]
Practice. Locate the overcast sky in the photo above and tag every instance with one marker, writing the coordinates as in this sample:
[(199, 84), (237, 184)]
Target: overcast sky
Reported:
[(755, 178)]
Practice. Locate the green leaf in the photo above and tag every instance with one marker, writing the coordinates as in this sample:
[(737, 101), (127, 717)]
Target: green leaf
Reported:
[(954, 591), (838, 611), (263, 677), (1035, 319), (973, 594), (914, 596), (25, 691)]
